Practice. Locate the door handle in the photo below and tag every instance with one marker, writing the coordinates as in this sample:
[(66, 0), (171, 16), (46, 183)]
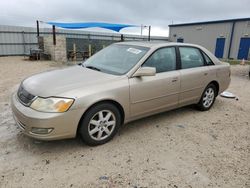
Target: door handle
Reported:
[(205, 74), (174, 79)]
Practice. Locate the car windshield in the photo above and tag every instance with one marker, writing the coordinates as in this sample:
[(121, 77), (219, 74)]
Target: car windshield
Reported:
[(116, 59)]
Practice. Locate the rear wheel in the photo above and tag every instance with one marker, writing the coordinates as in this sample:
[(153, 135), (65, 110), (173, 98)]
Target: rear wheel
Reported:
[(208, 97), (100, 124)]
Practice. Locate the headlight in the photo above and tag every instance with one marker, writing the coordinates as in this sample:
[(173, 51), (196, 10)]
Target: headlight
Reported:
[(51, 104)]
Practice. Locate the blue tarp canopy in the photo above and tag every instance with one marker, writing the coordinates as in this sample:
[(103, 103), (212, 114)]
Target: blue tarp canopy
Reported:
[(110, 26)]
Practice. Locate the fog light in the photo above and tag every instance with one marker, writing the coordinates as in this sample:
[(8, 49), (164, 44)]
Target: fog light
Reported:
[(41, 130)]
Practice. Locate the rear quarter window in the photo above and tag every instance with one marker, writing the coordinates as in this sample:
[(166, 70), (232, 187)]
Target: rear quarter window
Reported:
[(207, 59)]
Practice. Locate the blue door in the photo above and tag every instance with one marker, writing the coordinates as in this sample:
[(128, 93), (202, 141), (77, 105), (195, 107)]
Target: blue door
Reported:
[(180, 40), (244, 48), (219, 49)]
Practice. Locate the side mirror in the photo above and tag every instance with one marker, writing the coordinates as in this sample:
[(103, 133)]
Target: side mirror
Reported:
[(145, 71)]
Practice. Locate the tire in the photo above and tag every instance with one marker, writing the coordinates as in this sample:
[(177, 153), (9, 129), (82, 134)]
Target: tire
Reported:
[(100, 124), (208, 97)]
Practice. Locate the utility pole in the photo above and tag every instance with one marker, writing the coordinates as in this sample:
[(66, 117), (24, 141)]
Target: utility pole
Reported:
[(141, 29), (149, 30)]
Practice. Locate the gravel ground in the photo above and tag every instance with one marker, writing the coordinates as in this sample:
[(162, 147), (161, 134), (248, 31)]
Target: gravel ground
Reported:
[(180, 148)]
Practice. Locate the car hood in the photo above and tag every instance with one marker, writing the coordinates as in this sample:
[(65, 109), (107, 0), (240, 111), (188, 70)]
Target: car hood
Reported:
[(56, 82)]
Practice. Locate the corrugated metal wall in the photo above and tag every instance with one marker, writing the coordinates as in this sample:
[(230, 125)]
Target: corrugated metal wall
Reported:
[(16, 40), (206, 35), (242, 30)]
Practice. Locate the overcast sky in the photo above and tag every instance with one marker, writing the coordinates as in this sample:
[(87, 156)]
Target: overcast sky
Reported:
[(157, 13)]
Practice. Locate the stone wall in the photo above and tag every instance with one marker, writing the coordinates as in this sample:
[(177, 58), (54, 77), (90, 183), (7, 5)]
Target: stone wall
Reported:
[(58, 51)]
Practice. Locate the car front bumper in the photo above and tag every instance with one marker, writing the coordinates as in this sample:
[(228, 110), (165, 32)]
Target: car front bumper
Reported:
[(62, 125)]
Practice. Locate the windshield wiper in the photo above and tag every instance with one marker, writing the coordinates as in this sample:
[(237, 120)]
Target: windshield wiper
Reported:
[(93, 68)]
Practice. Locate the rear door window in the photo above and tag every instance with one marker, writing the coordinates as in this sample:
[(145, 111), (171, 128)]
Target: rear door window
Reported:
[(191, 57)]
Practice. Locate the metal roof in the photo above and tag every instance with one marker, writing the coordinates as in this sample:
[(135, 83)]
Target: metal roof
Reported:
[(210, 22)]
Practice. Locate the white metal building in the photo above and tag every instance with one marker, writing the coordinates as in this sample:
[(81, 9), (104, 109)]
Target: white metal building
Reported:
[(225, 38)]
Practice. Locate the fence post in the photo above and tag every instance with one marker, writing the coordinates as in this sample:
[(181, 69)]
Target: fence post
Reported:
[(37, 32), (122, 37), (54, 34), (24, 47), (37, 28), (149, 30), (90, 50), (74, 51)]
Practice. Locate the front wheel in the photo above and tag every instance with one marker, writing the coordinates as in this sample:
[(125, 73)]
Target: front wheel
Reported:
[(208, 97), (100, 124)]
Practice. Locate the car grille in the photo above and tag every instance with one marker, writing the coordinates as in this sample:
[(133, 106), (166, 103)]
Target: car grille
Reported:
[(24, 96)]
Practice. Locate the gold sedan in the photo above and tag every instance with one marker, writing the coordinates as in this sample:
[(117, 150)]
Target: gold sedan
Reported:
[(121, 83)]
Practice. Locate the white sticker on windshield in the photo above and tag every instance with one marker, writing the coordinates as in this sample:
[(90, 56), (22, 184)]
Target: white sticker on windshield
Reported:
[(134, 50)]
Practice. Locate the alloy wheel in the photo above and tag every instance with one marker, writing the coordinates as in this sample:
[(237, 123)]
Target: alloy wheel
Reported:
[(101, 125), (208, 97)]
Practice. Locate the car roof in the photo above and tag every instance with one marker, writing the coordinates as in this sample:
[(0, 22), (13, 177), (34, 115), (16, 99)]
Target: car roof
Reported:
[(156, 44)]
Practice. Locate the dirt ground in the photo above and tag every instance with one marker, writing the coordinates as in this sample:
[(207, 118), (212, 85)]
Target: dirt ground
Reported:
[(180, 148)]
